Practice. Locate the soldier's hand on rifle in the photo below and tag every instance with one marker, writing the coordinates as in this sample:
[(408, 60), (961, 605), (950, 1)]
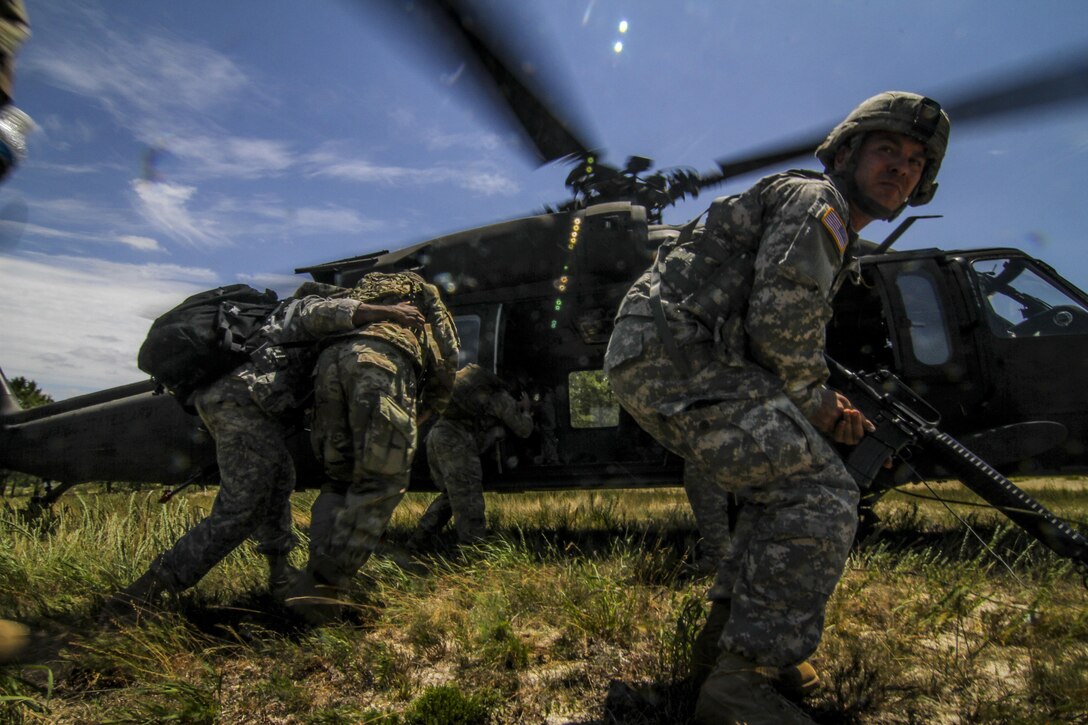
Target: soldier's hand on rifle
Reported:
[(839, 419)]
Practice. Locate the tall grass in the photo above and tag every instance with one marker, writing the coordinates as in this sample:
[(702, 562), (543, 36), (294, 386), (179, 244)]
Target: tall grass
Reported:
[(581, 607)]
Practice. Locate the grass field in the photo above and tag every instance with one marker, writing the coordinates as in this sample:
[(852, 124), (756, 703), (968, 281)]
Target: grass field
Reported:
[(941, 618)]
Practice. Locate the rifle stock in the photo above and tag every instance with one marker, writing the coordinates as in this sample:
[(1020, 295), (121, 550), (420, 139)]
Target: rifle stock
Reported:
[(904, 420)]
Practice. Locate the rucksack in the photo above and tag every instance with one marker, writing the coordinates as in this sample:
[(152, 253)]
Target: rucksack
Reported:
[(205, 337)]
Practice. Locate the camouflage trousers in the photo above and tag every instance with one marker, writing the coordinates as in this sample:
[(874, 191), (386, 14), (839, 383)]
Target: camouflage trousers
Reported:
[(454, 461), (708, 502), (257, 477), (364, 435), (798, 504)]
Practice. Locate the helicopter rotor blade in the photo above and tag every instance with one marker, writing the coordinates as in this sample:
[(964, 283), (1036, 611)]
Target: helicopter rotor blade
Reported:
[(501, 56), (1045, 85)]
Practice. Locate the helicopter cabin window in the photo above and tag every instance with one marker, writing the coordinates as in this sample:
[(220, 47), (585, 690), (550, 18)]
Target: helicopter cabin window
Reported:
[(468, 330), (1024, 303), (928, 334), (592, 402)]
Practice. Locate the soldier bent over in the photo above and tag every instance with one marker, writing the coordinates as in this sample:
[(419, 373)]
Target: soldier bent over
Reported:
[(477, 417), (366, 392), (246, 411)]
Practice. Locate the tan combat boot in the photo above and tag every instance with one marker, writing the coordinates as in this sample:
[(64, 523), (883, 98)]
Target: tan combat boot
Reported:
[(796, 683), (740, 691), (14, 638)]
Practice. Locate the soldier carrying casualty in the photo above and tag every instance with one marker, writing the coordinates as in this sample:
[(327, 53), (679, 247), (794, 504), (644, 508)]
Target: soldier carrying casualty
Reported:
[(477, 417), (367, 389), (718, 352), (247, 412)]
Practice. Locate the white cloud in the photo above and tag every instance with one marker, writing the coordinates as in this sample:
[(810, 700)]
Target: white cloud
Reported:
[(438, 140), (147, 74), (165, 205), (229, 156), (139, 243), (143, 244), (331, 219), (475, 177), (74, 324)]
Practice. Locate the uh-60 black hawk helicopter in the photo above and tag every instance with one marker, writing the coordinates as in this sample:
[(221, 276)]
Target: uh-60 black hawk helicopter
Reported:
[(991, 338)]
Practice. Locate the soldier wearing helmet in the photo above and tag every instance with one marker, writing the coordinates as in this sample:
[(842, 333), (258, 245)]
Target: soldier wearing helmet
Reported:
[(893, 112), (718, 352)]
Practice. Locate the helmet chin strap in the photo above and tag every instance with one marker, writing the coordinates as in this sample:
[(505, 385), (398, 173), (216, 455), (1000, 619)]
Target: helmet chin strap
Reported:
[(867, 205)]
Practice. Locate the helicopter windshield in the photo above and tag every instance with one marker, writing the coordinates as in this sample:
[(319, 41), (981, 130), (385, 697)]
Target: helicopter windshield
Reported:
[(1022, 302)]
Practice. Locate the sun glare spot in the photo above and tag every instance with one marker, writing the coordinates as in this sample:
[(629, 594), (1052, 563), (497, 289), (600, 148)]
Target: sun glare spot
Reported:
[(623, 26), (618, 47)]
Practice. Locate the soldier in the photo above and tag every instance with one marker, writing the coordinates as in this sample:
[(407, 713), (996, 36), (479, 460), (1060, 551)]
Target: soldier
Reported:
[(368, 386), (246, 412), (718, 352), (476, 418)]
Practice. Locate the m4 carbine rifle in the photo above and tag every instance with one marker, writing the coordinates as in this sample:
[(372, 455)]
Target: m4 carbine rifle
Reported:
[(904, 420)]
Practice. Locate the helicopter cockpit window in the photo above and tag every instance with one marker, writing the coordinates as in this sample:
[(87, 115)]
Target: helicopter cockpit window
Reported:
[(592, 402), (468, 329), (1024, 303), (928, 332)]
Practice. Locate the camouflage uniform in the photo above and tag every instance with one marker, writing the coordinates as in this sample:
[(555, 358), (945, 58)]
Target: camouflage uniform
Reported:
[(364, 428), (473, 422), (708, 501), (745, 300), (243, 412)]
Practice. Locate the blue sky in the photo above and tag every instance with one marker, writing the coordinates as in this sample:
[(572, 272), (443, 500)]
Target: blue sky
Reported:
[(186, 145)]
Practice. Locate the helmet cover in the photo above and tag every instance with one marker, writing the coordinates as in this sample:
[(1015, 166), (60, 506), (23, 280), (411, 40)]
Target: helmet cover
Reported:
[(910, 114)]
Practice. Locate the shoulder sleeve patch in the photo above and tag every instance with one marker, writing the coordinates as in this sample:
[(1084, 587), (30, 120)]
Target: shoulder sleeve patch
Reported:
[(832, 222), (835, 227)]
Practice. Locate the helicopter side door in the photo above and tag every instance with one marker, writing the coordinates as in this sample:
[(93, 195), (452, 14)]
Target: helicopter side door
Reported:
[(1036, 325), (581, 435)]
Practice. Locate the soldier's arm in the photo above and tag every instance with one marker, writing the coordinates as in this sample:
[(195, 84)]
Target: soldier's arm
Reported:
[(315, 317), (789, 307), (402, 313), (506, 409), (443, 345)]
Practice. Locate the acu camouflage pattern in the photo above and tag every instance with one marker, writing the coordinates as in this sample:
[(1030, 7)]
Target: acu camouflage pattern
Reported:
[(280, 374), (480, 409), (257, 478), (243, 411), (708, 501), (747, 299)]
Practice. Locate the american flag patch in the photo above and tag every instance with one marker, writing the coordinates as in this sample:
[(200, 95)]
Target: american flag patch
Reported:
[(833, 222)]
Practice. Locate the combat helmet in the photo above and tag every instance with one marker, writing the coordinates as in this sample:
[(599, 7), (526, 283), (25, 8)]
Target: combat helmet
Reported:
[(916, 116)]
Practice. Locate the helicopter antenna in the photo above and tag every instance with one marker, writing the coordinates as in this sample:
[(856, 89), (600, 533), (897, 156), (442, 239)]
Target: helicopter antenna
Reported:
[(8, 402), (901, 230)]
